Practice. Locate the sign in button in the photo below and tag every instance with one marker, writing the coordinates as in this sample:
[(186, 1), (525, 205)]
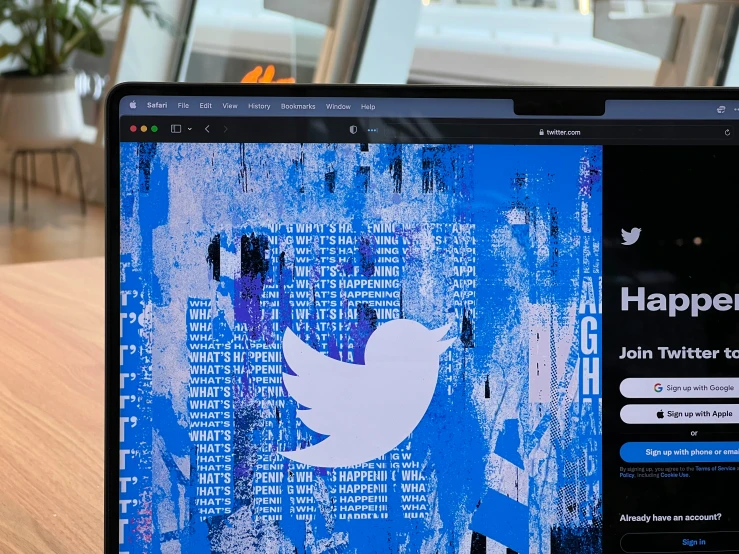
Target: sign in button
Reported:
[(680, 452), (680, 413), (680, 387), (671, 543)]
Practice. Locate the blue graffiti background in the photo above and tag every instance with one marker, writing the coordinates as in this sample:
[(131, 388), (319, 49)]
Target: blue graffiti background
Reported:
[(226, 246)]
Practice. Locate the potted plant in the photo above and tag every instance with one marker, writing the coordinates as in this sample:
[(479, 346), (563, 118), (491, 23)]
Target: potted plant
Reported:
[(39, 103)]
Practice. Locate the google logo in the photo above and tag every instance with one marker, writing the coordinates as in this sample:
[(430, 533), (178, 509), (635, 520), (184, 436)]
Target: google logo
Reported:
[(658, 387)]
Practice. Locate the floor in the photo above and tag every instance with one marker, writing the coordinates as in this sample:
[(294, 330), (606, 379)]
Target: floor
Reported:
[(52, 229)]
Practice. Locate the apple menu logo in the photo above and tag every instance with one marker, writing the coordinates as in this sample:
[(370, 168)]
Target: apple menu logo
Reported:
[(132, 104), (660, 415)]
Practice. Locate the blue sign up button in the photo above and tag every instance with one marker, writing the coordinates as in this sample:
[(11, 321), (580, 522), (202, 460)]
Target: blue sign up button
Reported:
[(696, 452), (664, 543)]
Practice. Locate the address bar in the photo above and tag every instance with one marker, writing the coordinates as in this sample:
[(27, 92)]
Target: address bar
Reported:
[(482, 131)]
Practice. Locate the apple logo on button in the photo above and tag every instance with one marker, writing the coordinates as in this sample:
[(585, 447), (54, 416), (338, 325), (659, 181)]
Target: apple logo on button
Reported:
[(660, 414), (132, 104)]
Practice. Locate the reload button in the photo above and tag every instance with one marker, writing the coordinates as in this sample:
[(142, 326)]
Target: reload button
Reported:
[(666, 543)]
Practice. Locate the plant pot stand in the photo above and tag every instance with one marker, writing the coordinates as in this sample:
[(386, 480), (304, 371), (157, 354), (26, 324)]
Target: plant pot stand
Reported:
[(28, 161)]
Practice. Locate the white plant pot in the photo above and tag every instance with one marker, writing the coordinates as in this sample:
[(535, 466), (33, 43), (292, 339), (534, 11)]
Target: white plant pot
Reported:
[(40, 112)]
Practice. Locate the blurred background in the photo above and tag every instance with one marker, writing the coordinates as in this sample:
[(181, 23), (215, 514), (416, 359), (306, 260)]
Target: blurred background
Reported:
[(472, 42)]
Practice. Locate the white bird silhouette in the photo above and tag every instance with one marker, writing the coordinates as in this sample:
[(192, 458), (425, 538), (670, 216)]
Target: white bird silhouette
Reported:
[(630, 237), (366, 410)]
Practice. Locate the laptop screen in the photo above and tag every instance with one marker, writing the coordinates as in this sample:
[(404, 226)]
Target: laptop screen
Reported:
[(427, 325)]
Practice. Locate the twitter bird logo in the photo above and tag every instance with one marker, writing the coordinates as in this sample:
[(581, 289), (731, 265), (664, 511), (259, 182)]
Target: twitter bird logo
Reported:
[(630, 237), (366, 410)]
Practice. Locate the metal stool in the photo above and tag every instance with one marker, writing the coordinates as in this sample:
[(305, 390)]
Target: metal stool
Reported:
[(28, 157)]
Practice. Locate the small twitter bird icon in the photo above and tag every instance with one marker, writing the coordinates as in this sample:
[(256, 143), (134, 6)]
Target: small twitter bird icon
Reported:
[(630, 237), (366, 410)]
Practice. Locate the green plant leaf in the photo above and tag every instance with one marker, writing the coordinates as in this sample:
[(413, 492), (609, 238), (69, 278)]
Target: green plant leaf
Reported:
[(151, 10), (61, 10), (85, 39), (73, 24), (19, 17), (83, 17), (92, 43), (67, 29), (7, 50), (38, 63), (6, 9)]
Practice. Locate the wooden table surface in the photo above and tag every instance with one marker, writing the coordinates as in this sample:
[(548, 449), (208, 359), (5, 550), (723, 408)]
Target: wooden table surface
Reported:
[(51, 407)]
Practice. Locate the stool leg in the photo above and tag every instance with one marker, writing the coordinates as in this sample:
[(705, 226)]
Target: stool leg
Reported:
[(13, 172), (33, 170), (55, 162), (78, 166), (24, 168)]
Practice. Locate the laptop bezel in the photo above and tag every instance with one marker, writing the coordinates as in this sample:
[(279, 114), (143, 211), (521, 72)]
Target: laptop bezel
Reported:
[(542, 100)]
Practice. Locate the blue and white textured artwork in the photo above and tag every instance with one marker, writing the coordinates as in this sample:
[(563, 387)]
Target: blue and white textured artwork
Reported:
[(227, 249)]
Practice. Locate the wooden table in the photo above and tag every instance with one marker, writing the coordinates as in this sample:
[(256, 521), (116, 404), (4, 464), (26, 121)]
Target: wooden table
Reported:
[(51, 407)]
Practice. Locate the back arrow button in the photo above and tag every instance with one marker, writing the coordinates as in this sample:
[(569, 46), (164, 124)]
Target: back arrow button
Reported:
[(206, 128)]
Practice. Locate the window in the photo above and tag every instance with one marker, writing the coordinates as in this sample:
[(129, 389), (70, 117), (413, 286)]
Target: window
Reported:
[(536, 42), (233, 37)]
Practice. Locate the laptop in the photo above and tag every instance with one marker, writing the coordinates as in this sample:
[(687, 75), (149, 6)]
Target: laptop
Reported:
[(414, 319)]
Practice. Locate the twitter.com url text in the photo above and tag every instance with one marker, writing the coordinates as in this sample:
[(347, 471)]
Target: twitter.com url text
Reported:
[(562, 132)]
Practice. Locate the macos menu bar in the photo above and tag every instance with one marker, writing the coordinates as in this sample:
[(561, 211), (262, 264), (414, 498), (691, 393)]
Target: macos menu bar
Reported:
[(460, 108), (316, 107)]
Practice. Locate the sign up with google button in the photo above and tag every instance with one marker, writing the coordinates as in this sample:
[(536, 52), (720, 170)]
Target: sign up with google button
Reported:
[(686, 387)]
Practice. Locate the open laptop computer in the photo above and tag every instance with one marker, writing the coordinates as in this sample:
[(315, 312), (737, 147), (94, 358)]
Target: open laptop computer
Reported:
[(421, 320)]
